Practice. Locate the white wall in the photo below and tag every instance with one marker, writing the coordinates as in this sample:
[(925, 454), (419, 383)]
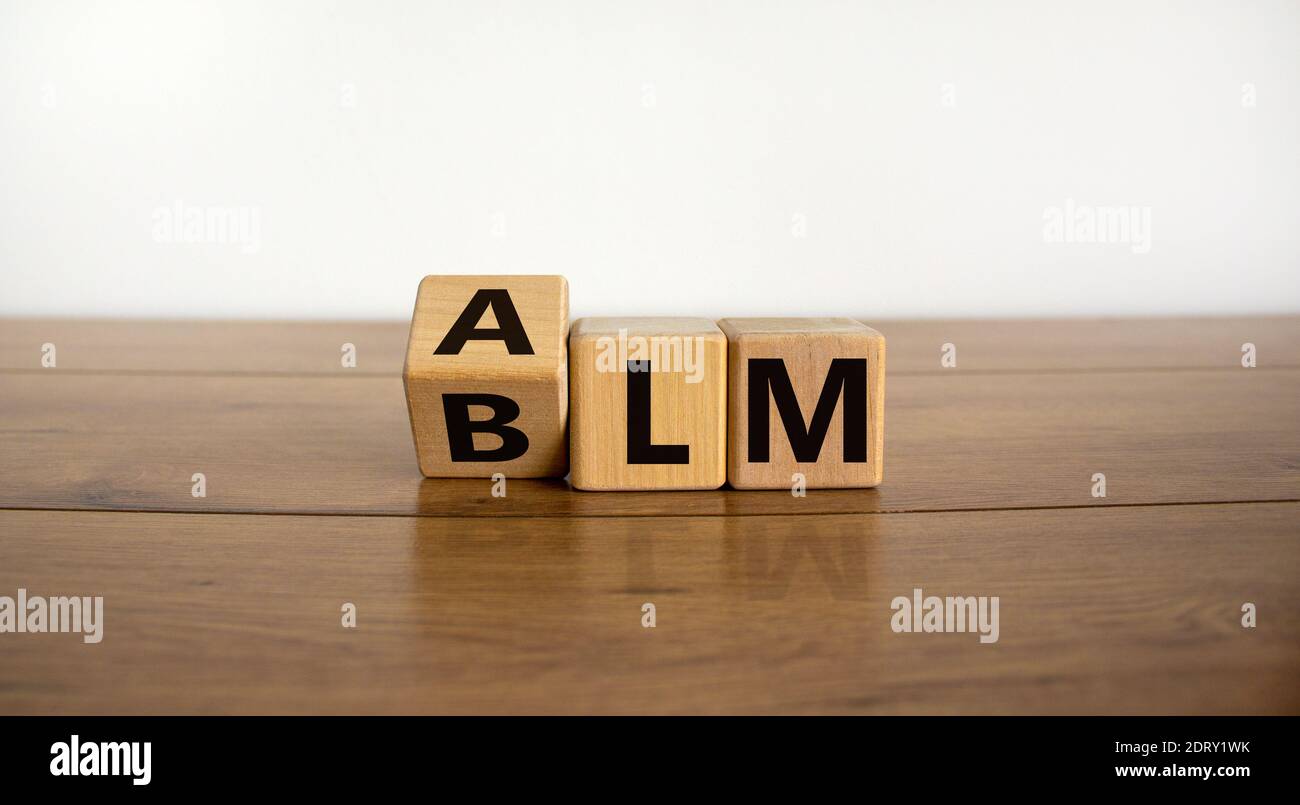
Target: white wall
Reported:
[(666, 157)]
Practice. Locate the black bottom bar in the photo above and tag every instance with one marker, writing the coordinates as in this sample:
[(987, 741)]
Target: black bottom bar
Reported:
[(371, 755)]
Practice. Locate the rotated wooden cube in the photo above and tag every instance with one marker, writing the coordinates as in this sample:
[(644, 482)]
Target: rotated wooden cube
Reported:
[(805, 395), (487, 376), (648, 397)]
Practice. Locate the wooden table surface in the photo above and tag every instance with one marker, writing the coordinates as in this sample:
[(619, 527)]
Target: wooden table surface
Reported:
[(765, 603)]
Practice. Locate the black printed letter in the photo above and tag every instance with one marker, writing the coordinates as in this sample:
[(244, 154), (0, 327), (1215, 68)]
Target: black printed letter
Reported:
[(847, 373), (509, 328), (639, 448), (461, 429)]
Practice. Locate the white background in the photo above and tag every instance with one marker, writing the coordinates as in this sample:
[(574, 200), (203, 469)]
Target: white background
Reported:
[(666, 157)]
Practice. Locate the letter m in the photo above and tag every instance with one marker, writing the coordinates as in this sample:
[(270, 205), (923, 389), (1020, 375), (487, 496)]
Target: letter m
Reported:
[(848, 375)]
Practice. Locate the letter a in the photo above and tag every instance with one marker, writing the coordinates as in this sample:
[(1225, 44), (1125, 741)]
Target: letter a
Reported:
[(509, 329)]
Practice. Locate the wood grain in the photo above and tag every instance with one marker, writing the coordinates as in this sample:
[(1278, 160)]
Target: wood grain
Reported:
[(532, 602), (1122, 610), (270, 347), (1063, 345), (807, 348), (684, 365), (245, 348), (532, 375), (343, 446)]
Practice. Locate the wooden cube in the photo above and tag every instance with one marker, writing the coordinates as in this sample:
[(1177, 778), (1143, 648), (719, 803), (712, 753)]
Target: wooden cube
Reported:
[(649, 399), (806, 396), (487, 376)]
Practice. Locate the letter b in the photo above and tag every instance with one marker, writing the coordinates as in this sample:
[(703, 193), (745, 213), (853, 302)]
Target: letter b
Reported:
[(461, 429)]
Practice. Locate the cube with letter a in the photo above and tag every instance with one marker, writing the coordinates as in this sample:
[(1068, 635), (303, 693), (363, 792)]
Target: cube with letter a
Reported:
[(806, 396), (487, 376)]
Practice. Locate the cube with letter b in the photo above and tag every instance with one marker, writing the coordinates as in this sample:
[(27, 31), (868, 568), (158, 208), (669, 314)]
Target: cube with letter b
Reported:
[(804, 396), (487, 376)]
